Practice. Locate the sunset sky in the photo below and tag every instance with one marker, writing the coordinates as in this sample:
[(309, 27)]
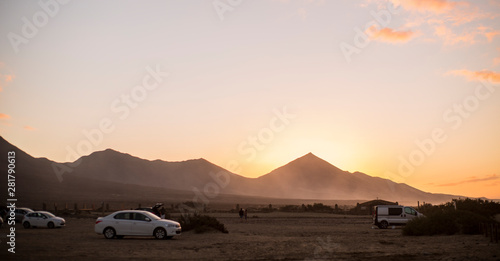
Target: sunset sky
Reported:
[(407, 90)]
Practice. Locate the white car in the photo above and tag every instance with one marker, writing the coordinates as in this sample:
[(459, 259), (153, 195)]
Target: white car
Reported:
[(42, 219), (136, 223)]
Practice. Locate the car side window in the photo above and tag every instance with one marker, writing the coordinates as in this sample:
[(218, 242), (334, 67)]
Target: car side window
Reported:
[(410, 211), (124, 215), (139, 216)]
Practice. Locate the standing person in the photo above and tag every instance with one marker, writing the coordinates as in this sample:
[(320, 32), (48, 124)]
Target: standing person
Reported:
[(246, 214), (162, 213), (241, 213), (156, 211)]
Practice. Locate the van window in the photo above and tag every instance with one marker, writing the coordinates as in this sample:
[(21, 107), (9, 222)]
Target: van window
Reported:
[(410, 211), (395, 211)]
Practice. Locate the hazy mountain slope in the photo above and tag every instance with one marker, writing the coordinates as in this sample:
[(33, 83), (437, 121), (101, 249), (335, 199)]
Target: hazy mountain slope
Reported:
[(312, 177), (29, 172), (36, 182), (111, 174), (110, 165)]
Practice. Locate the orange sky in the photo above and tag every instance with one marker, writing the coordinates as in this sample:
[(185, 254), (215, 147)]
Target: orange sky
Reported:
[(401, 89)]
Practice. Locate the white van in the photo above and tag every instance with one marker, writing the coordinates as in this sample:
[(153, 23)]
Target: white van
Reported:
[(386, 215)]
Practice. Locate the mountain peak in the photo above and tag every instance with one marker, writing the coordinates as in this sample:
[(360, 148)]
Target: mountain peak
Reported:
[(310, 155), (306, 164), (310, 158), (108, 152), (111, 153)]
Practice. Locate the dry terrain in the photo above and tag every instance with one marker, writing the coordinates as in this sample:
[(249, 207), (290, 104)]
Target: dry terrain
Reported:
[(271, 236)]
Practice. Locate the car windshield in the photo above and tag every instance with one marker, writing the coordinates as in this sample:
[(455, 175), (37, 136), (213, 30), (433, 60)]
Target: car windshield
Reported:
[(153, 216)]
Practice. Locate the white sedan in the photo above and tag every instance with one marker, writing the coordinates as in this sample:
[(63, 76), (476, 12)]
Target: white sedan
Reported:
[(136, 223), (42, 219)]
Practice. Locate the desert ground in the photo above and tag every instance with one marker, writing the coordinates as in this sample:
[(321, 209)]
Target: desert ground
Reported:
[(264, 236)]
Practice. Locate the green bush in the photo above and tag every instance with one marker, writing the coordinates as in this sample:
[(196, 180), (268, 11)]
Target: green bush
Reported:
[(201, 223)]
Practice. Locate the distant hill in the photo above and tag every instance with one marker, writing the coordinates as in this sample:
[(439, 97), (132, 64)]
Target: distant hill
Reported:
[(110, 165), (312, 177), (36, 183), (113, 175)]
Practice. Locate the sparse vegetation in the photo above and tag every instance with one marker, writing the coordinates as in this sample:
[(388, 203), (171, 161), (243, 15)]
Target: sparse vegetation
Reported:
[(201, 223), (316, 207), (459, 216), (271, 236), (436, 223)]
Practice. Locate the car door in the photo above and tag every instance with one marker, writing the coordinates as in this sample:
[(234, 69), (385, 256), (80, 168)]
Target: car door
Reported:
[(30, 218), (410, 214), (142, 225), (36, 219), (43, 221), (122, 222)]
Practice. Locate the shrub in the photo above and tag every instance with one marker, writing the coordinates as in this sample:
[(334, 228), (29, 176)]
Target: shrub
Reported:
[(459, 215), (416, 227), (290, 208), (201, 223), (470, 222), (447, 222), (437, 223), (443, 223)]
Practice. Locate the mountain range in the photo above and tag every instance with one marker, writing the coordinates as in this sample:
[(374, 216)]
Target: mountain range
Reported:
[(110, 174)]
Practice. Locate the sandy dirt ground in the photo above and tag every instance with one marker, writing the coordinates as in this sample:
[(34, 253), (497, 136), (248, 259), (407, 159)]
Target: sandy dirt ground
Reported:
[(264, 236)]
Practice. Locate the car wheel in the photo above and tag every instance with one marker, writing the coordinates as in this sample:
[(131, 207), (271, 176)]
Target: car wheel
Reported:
[(26, 224), (109, 233), (160, 233), (50, 224), (383, 224)]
